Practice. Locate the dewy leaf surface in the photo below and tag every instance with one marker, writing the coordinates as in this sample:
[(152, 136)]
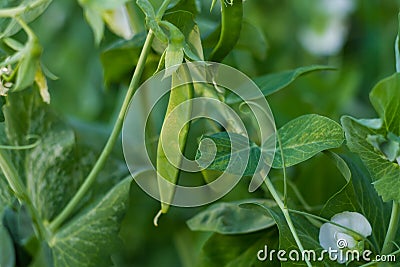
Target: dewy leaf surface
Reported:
[(89, 238)]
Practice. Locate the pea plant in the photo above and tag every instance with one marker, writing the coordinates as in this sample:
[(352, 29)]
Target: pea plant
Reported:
[(62, 202)]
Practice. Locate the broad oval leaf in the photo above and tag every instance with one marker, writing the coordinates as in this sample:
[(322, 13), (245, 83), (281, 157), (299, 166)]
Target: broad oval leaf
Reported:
[(229, 218), (273, 82), (305, 136)]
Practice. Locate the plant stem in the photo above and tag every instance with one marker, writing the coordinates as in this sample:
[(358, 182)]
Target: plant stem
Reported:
[(392, 230), (286, 214), (69, 209), (283, 169)]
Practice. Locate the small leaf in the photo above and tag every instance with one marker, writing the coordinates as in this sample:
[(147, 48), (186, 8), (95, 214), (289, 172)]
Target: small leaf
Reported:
[(90, 237), (96, 23), (271, 83), (151, 20), (305, 136), (385, 97), (229, 218)]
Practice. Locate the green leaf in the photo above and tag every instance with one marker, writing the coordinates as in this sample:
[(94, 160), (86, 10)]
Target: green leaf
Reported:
[(360, 196), (301, 138), (385, 174), (185, 22), (223, 153), (385, 97), (120, 58), (151, 20), (253, 40), (52, 178), (90, 237), (229, 218), (96, 23), (32, 10), (238, 250), (307, 232), (176, 43), (273, 82), (96, 11), (305, 136)]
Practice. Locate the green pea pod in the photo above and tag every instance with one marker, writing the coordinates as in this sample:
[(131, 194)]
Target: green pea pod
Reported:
[(168, 167), (231, 25)]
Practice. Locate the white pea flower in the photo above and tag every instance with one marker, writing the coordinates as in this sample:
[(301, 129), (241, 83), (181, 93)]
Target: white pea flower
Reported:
[(333, 237)]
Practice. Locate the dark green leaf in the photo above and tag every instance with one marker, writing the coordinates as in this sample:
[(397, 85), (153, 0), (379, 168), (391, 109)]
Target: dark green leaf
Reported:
[(229, 218), (360, 196), (385, 97), (274, 82), (224, 155), (385, 174), (90, 237), (238, 250), (120, 59), (253, 40)]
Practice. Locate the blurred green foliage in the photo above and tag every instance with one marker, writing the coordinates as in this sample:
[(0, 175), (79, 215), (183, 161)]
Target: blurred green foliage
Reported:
[(272, 45)]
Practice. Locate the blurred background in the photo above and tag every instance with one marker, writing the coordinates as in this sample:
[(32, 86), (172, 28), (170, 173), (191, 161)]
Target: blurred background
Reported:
[(356, 37)]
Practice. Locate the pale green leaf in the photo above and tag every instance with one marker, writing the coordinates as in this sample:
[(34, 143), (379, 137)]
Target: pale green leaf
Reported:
[(96, 23), (89, 238), (274, 82), (229, 218), (305, 136)]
